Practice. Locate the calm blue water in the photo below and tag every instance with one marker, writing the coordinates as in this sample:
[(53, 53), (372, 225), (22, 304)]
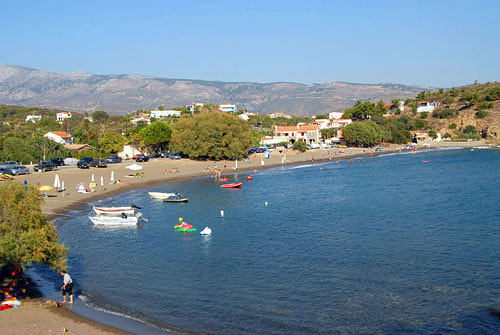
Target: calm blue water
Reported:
[(381, 245)]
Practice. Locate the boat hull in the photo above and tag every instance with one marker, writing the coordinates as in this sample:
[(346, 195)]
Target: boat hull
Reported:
[(161, 195), (114, 211), (235, 185), (176, 199), (113, 220)]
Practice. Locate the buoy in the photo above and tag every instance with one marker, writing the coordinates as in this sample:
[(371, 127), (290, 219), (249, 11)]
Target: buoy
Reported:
[(180, 219), (221, 213), (249, 178), (206, 231), (266, 203)]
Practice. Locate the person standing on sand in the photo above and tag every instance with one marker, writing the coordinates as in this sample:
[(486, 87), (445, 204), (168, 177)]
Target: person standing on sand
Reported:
[(67, 288)]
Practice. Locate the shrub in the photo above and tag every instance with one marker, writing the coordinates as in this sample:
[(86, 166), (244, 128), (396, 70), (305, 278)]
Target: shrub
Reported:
[(446, 113), (424, 115), (452, 126), (485, 105), (481, 114), (300, 146)]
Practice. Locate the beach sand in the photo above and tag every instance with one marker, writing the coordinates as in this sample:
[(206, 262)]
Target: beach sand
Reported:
[(37, 317)]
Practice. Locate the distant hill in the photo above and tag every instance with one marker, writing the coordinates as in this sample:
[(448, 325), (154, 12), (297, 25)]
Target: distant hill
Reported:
[(121, 94)]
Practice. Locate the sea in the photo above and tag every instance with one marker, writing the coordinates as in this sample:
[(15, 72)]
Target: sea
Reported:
[(401, 243)]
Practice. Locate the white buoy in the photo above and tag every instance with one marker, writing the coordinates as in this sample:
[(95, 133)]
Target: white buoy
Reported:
[(221, 213), (206, 231), (266, 203)]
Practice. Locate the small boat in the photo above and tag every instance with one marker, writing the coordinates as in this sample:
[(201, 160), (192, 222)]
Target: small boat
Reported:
[(223, 179), (117, 211), (249, 178), (114, 220), (176, 198), (162, 195), (184, 227), (235, 185)]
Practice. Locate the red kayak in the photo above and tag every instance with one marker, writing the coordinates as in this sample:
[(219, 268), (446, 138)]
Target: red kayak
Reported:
[(232, 185)]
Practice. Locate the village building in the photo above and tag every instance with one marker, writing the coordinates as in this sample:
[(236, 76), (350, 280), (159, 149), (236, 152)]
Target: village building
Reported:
[(61, 116), (301, 132), (227, 107), (33, 118), (159, 114), (141, 118), (78, 148), (246, 116), (61, 137), (426, 106), (423, 137), (191, 106), (335, 115)]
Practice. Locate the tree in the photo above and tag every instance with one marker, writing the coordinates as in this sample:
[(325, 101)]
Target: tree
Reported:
[(432, 133), (156, 134), (364, 134), (321, 116), (26, 236), (300, 146), (100, 116), (481, 114), (111, 142), (212, 135)]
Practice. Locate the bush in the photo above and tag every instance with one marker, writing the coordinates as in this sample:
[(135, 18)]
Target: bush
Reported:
[(446, 113), (481, 114), (424, 115), (452, 126), (300, 146), (432, 133)]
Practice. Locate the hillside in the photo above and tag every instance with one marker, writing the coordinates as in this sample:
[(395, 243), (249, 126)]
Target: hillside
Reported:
[(476, 105), (121, 94)]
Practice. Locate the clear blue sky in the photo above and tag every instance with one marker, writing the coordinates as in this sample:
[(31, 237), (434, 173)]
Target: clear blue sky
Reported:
[(435, 43)]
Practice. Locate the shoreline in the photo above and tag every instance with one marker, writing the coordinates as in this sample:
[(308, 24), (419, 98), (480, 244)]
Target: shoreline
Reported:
[(153, 177)]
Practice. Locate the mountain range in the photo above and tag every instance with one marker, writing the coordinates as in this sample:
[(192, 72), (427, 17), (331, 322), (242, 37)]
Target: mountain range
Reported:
[(123, 93)]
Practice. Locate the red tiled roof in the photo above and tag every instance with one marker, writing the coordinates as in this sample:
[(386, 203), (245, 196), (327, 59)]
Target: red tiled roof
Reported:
[(62, 134), (388, 105), (294, 128)]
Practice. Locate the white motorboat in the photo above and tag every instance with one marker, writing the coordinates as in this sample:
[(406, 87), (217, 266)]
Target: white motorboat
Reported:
[(114, 211), (162, 195), (114, 220)]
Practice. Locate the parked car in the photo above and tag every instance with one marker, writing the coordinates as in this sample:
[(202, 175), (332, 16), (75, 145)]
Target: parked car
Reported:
[(98, 162), (137, 156), (6, 170), (20, 169), (113, 159), (252, 150), (83, 164), (155, 155), (9, 163), (174, 156), (57, 161), (45, 166), (142, 158), (164, 154)]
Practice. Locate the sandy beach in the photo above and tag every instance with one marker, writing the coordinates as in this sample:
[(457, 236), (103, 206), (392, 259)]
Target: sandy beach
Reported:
[(37, 316)]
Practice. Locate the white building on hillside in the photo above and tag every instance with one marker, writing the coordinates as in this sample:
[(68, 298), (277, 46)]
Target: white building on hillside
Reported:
[(158, 114), (227, 107), (279, 114), (426, 106), (61, 116), (61, 137), (335, 115), (33, 118)]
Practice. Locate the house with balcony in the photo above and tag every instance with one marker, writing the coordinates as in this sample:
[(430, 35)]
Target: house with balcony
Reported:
[(301, 132), (61, 137), (426, 106), (61, 116), (227, 107), (335, 115)]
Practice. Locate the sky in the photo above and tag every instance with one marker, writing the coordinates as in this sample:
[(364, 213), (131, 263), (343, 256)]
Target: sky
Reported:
[(414, 42)]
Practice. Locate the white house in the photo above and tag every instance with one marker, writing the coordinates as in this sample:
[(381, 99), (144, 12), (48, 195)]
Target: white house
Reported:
[(61, 137), (322, 123), (61, 116), (300, 132), (33, 118), (426, 106), (158, 114), (335, 115), (227, 107), (142, 118), (246, 116), (193, 105), (340, 123)]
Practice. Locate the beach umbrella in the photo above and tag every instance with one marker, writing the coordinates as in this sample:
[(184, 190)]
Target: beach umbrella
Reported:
[(134, 167), (57, 182), (102, 181), (45, 188), (112, 177), (235, 164), (93, 179), (63, 187)]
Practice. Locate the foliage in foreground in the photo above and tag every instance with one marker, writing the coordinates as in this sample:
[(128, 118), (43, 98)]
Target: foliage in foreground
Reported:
[(26, 236), (364, 134), (213, 135)]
